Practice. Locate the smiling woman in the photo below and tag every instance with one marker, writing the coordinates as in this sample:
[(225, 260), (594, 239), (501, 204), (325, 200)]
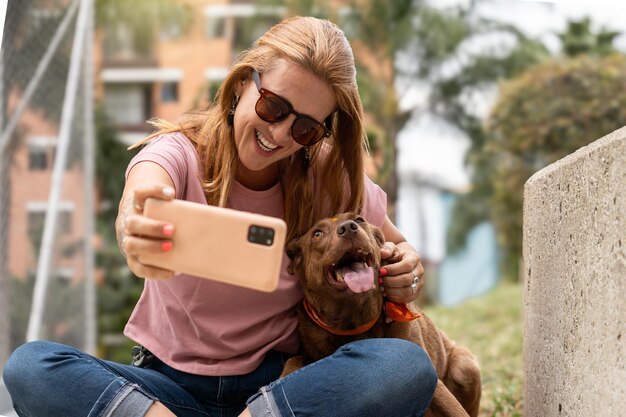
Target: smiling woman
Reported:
[(285, 139), (264, 131)]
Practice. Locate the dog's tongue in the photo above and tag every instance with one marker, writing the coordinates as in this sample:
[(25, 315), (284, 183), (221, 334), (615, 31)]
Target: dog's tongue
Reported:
[(358, 277)]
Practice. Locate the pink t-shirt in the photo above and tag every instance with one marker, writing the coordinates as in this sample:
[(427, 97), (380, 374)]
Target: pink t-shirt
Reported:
[(205, 327)]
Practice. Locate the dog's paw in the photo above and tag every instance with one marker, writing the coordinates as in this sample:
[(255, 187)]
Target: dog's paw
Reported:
[(293, 364)]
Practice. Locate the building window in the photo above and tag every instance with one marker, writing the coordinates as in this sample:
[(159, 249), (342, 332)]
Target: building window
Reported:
[(36, 221), (64, 274), (37, 218), (215, 27), (41, 150), (128, 104), (37, 159), (64, 226), (171, 31), (169, 91)]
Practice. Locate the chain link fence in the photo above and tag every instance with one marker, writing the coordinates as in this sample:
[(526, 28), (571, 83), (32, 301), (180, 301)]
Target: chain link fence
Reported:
[(46, 180)]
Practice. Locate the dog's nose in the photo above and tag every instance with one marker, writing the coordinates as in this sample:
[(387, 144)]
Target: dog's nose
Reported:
[(347, 228)]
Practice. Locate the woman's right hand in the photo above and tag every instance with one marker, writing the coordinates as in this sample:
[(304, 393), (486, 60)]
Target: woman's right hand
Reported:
[(138, 234)]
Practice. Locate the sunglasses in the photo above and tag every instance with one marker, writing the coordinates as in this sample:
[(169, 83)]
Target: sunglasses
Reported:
[(272, 108)]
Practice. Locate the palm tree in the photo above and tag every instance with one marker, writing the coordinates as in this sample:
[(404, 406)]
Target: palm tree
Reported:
[(380, 30)]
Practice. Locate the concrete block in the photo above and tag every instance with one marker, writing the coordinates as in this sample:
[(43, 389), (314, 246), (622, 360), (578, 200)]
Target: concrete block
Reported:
[(575, 284)]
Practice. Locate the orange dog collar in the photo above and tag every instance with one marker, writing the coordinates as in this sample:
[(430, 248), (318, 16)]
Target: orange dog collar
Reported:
[(317, 320), (393, 311)]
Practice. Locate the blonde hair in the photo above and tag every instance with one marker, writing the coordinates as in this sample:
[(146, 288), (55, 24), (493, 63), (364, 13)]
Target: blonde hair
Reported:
[(322, 48)]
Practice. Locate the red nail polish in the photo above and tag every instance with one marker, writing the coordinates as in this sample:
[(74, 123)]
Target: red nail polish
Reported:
[(168, 229), (383, 271), (166, 246), (380, 280)]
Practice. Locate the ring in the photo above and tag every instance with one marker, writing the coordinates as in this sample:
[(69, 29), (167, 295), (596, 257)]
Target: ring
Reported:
[(415, 278), (413, 288)]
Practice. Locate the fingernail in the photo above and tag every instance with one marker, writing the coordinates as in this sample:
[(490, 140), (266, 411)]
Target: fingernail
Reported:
[(380, 280), (168, 192), (166, 246), (168, 229), (383, 271)]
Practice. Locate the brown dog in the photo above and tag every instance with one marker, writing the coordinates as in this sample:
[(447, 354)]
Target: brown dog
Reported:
[(337, 262)]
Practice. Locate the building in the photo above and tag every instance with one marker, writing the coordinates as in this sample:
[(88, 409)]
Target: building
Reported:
[(182, 69), (179, 71)]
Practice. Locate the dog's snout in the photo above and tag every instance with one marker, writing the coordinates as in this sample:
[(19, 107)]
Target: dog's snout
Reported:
[(347, 228)]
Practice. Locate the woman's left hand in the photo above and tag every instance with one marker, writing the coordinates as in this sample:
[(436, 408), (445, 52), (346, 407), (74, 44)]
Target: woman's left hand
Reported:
[(402, 272)]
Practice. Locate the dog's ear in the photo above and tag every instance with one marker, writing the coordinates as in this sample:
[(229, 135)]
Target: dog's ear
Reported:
[(378, 235), (294, 252)]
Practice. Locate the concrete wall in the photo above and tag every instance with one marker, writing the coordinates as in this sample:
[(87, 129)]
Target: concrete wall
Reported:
[(575, 284)]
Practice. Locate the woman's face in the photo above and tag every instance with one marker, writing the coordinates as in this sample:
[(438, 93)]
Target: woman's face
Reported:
[(261, 144)]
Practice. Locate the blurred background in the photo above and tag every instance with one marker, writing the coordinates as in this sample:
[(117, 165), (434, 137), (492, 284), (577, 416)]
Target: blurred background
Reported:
[(464, 101)]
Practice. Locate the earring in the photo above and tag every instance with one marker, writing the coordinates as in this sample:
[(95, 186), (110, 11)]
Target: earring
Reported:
[(231, 112), (307, 158)]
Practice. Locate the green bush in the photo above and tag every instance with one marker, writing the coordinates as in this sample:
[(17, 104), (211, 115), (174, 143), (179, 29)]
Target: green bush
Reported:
[(545, 114)]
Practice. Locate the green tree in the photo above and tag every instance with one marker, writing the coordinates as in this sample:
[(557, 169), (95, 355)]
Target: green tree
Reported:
[(540, 117), (579, 39), (408, 41), (382, 33), (137, 25), (64, 299), (448, 100), (120, 289), (487, 186), (379, 30), (61, 321)]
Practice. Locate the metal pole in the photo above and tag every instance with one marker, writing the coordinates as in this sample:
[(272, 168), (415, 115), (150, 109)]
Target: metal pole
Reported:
[(89, 178), (45, 253), (4, 221), (5, 140)]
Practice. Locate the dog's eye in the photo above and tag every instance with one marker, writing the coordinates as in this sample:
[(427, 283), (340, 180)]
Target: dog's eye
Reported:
[(317, 234), (359, 220)]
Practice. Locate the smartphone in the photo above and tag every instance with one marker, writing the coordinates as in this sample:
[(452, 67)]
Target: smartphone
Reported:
[(226, 245)]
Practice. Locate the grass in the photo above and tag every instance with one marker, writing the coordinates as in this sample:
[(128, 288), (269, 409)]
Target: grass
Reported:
[(491, 327)]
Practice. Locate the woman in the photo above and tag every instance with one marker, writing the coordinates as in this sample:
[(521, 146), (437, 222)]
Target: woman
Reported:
[(286, 140)]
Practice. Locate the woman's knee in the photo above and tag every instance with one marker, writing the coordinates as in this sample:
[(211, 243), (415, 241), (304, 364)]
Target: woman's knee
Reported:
[(27, 364), (370, 377), (403, 364), (415, 365)]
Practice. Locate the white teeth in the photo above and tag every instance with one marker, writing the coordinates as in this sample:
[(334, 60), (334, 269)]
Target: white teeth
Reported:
[(263, 143)]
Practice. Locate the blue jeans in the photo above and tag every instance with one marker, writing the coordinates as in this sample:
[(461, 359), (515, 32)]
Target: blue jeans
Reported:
[(375, 377)]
